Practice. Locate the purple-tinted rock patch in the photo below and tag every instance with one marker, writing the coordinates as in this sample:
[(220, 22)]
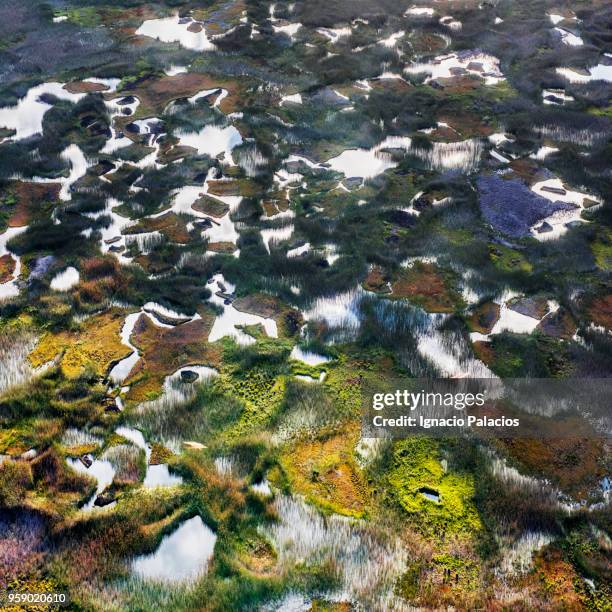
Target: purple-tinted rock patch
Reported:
[(509, 206)]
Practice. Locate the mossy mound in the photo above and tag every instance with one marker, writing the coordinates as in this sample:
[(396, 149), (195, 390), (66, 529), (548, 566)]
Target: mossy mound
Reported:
[(156, 92), (257, 555), (222, 247), (288, 319), (275, 204), (80, 87), (211, 206), (418, 476), (377, 280), (160, 454), (573, 464), (535, 306), (520, 355), (261, 392), (324, 470), (7, 268), (602, 250), (600, 311), (509, 260), (96, 346), (24, 201), (559, 324), (238, 187)]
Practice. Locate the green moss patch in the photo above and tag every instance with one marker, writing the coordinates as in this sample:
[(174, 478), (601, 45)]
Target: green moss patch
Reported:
[(509, 260), (417, 472), (324, 470)]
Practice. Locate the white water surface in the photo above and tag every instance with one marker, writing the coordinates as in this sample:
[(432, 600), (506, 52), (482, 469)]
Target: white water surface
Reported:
[(182, 556)]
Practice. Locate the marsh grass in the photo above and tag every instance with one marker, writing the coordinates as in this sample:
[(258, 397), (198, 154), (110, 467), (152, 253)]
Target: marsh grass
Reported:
[(200, 410), (144, 243), (513, 504), (15, 368), (306, 409), (365, 563), (77, 437), (573, 135), (517, 557), (464, 156), (128, 462), (316, 556), (390, 323), (23, 544)]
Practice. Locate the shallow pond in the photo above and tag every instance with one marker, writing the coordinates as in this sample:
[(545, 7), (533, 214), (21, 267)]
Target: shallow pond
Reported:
[(212, 140), (174, 29), (65, 280), (475, 63), (181, 556), (337, 310), (276, 235), (367, 163), (312, 359), (227, 323), (160, 476), (559, 220), (121, 370), (600, 72), (26, 116), (100, 469), (157, 475), (430, 494)]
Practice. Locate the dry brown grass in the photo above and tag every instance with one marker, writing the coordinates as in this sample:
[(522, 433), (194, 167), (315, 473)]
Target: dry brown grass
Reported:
[(600, 311), (155, 93), (7, 268), (170, 225), (423, 284), (30, 199), (166, 350)]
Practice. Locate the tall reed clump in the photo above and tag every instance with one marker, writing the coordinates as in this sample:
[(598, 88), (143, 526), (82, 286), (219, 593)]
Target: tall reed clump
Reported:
[(366, 563), (581, 137), (306, 409), (127, 461), (15, 369), (464, 155), (77, 437), (521, 511), (186, 411), (22, 545)]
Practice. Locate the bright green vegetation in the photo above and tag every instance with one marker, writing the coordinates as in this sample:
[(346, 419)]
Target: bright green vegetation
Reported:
[(602, 250), (418, 469), (509, 260)]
